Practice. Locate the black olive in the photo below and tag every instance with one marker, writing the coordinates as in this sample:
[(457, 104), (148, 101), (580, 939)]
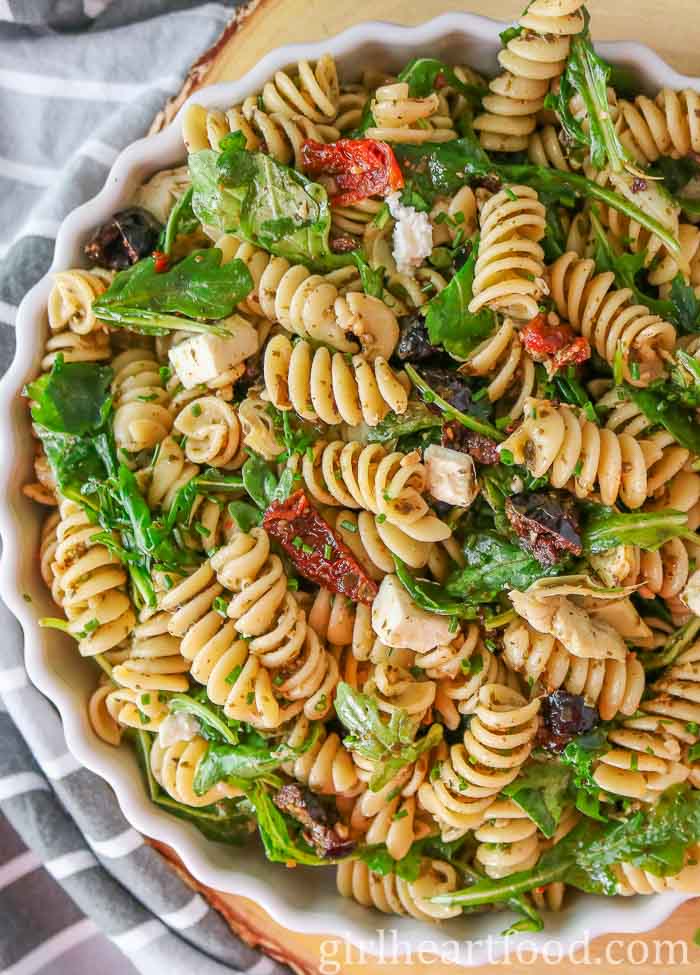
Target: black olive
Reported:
[(458, 437), (414, 344), (565, 716), (453, 387), (547, 523), (130, 235)]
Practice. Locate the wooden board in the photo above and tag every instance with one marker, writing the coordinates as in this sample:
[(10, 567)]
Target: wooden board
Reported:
[(672, 28)]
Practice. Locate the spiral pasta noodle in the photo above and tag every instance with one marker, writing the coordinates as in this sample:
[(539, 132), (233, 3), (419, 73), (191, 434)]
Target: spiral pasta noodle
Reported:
[(502, 359), (633, 880), (573, 452), (175, 768), (459, 695), (327, 766), (532, 60), (71, 298), (90, 582), (318, 385), (605, 315), (495, 746), (613, 686), (508, 276), (508, 840), (311, 305), (369, 477), (392, 895), (154, 662), (213, 432), (142, 418), (665, 126), (402, 118)]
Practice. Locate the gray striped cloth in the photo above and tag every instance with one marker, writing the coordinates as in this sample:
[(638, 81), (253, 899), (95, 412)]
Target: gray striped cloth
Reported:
[(78, 82)]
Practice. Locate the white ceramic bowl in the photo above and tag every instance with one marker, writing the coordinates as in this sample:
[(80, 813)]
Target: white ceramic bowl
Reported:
[(303, 900)]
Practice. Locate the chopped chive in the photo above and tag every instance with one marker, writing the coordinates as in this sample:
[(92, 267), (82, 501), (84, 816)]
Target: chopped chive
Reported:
[(348, 526)]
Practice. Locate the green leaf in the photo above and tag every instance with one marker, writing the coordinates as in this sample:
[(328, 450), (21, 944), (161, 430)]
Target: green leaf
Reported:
[(422, 73), (180, 221), (440, 169), (198, 287), (245, 515), (685, 378), (206, 713), (270, 205), (259, 480), (372, 278), (279, 843), (430, 595), (580, 756), (245, 760), (541, 791), (604, 528), (73, 398), (686, 306), (391, 745), (675, 418), (654, 840), (587, 75), (494, 565), (449, 321), (416, 417)]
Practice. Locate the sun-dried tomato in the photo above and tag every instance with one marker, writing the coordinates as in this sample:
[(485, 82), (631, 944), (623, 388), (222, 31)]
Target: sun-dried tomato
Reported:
[(481, 448), (565, 716), (554, 343), (360, 168), (315, 549), (546, 523)]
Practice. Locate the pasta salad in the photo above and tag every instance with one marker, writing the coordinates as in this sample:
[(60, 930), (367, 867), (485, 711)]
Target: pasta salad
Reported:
[(368, 440)]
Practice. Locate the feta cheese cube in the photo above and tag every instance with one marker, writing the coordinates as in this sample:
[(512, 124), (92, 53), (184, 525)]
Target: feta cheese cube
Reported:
[(413, 235), (205, 357), (398, 622), (451, 475)]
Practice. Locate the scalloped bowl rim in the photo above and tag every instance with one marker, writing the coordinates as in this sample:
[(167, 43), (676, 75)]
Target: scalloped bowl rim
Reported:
[(317, 911)]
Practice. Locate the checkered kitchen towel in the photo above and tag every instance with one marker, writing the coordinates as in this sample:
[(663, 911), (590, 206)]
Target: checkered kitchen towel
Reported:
[(79, 80)]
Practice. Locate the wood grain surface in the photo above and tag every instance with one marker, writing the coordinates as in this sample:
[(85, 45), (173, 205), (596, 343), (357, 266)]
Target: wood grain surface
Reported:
[(672, 28)]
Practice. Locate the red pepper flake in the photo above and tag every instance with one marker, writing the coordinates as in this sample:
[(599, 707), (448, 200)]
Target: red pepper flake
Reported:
[(161, 262), (558, 342), (317, 553), (359, 167)]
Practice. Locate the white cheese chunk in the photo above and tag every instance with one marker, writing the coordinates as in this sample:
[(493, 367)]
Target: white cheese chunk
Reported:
[(413, 235), (451, 475), (398, 622), (177, 727), (204, 357)]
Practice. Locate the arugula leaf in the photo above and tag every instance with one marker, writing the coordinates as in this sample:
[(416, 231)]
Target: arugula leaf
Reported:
[(210, 481), (367, 121), (654, 840), (246, 760), (390, 745), (587, 75), (686, 306), (211, 723), (197, 287), (281, 845), (416, 417), (449, 321), (421, 75), (580, 756), (660, 411), (541, 791), (181, 220), (261, 483), (246, 516), (677, 173), (372, 278), (441, 168), (73, 398), (494, 565), (430, 595), (605, 528), (685, 377), (268, 204)]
